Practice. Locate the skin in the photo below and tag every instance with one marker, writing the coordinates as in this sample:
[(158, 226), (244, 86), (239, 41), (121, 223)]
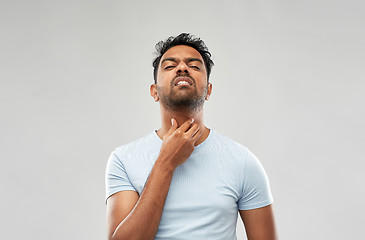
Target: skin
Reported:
[(182, 55), (130, 216)]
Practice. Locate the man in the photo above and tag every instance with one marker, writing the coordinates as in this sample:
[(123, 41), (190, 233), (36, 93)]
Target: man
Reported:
[(185, 181)]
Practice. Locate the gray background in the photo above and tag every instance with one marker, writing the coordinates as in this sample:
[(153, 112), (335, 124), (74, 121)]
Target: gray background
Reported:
[(288, 83)]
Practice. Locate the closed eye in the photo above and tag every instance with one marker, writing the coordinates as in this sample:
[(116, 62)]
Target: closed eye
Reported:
[(169, 67), (196, 67)]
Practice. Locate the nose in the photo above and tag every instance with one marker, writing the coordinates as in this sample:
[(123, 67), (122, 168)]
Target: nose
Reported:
[(182, 68)]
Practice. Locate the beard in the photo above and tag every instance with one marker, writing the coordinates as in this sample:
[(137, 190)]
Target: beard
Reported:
[(184, 100)]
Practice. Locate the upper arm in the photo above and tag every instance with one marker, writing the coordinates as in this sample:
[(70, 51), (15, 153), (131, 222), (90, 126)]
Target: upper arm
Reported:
[(255, 186), (259, 223), (119, 205)]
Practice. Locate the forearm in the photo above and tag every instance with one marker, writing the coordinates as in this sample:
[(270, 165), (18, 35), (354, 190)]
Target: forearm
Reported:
[(144, 219)]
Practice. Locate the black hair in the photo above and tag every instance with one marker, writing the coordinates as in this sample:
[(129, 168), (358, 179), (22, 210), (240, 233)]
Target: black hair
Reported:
[(182, 39)]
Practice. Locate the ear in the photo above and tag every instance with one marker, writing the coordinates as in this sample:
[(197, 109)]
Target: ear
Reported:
[(209, 91), (153, 92)]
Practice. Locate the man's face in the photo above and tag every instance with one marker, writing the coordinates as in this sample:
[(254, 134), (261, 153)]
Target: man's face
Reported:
[(181, 79)]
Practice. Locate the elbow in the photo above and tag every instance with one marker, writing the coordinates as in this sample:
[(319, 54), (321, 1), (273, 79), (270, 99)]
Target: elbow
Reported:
[(119, 237), (112, 236), (124, 237)]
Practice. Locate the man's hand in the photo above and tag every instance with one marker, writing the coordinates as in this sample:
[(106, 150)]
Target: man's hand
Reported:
[(178, 143)]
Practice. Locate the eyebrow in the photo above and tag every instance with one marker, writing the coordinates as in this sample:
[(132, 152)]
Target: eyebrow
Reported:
[(186, 60)]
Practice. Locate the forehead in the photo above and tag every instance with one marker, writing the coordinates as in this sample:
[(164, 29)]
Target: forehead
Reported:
[(182, 52)]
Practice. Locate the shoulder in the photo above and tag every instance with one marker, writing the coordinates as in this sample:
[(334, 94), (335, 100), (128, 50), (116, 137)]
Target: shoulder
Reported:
[(134, 146), (234, 154), (230, 145)]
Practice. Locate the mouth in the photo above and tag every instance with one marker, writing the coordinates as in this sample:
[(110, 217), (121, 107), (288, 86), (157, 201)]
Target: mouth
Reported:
[(183, 81)]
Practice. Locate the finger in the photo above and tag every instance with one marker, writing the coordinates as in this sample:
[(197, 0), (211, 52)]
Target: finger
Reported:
[(185, 126), (193, 130), (173, 127), (197, 135)]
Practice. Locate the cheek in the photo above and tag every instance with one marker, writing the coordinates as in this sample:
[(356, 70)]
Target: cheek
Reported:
[(165, 79)]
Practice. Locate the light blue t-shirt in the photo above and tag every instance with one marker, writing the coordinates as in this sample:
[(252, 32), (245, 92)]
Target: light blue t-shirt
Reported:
[(220, 177)]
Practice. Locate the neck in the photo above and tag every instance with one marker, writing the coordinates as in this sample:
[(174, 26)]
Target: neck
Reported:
[(181, 116)]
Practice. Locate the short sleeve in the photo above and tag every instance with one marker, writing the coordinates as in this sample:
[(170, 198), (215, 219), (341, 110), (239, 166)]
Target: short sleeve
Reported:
[(116, 178), (255, 192)]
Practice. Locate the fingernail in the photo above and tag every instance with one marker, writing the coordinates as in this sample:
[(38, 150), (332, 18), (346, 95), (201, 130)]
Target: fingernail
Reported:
[(192, 120), (172, 121)]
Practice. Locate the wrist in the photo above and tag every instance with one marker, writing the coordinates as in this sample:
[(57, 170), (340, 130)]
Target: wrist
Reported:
[(164, 165)]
